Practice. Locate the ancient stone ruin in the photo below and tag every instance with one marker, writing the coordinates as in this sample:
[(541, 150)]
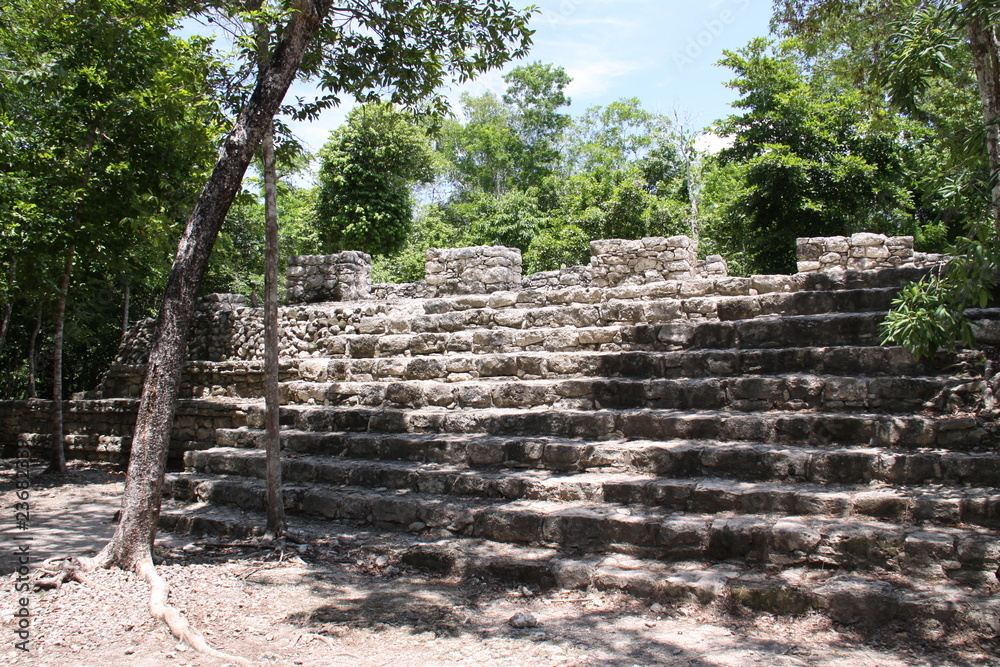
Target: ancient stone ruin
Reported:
[(859, 252), (345, 276), (645, 423)]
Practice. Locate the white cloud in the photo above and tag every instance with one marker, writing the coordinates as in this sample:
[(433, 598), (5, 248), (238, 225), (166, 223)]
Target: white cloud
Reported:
[(556, 19), (596, 78), (713, 143)]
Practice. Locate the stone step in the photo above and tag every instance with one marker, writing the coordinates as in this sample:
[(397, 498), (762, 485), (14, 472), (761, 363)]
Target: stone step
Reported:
[(713, 287), (909, 504), (749, 461), (762, 333), (887, 394), (238, 333), (822, 330), (850, 598), (790, 427), (969, 555), (848, 360), (245, 379), (614, 312)]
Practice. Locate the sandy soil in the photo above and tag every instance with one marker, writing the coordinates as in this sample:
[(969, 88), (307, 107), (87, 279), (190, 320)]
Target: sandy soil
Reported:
[(329, 602)]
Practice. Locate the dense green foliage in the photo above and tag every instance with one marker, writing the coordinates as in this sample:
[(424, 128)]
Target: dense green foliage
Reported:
[(817, 161), (923, 58), (107, 126), (367, 170), (518, 171)]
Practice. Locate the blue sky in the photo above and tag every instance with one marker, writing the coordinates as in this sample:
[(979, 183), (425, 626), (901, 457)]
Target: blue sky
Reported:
[(661, 51)]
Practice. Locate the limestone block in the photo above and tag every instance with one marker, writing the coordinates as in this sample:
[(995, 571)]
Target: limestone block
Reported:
[(836, 244), (877, 252), (865, 239), (861, 264), (806, 250)]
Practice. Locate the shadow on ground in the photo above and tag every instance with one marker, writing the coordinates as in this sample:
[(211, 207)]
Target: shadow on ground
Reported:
[(67, 516)]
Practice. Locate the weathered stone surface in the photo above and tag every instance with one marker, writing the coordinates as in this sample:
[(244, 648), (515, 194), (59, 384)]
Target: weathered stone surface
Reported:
[(858, 252), (477, 270), (345, 276)]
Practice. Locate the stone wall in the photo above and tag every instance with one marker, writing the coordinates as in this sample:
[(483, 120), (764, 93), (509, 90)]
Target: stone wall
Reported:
[(632, 263), (858, 252), (475, 270), (345, 276), (101, 430), (713, 266), (616, 262), (397, 291), (573, 276)]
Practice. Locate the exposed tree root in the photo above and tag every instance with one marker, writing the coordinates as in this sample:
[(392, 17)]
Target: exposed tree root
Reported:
[(159, 608), (70, 569), (51, 577)]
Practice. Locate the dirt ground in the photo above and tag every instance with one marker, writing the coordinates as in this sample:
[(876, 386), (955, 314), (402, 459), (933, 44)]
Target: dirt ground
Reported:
[(327, 602)]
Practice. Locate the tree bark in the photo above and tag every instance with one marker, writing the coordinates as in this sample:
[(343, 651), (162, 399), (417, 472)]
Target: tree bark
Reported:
[(275, 501), (983, 40), (9, 306), (140, 512), (33, 354), (58, 461), (272, 444)]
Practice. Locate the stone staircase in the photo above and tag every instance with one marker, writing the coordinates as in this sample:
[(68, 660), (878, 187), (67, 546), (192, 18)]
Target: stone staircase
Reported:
[(726, 437), (639, 424)]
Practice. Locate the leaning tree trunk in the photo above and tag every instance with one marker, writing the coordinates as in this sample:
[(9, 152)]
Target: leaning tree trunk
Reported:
[(275, 502), (131, 544), (983, 40), (58, 461)]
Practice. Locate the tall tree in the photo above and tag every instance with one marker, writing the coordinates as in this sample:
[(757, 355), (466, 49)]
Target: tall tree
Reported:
[(510, 142), (535, 94), (367, 171), (817, 162), (403, 47)]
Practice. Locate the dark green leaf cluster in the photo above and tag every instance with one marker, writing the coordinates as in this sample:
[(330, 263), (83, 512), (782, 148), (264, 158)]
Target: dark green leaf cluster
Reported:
[(368, 167), (817, 161), (107, 126)]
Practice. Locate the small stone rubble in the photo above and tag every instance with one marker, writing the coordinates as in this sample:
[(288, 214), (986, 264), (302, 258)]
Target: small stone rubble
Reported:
[(573, 276)]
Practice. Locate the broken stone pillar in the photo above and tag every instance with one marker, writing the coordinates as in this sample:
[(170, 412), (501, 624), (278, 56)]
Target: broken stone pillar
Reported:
[(475, 270), (616, 262), (346, 276)]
